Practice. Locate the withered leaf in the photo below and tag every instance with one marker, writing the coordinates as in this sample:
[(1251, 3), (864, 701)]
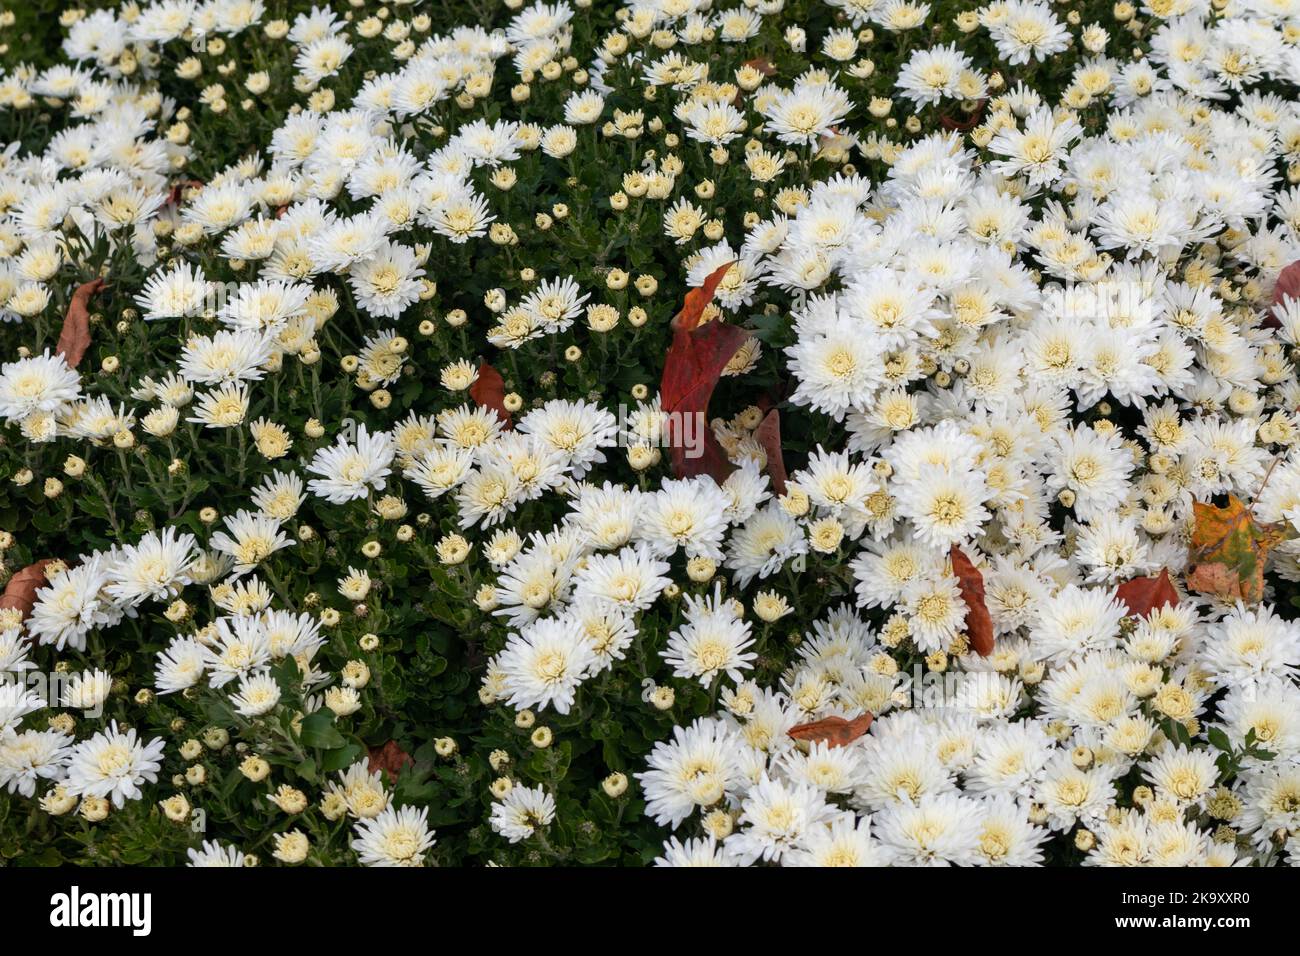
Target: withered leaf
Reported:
[(698, 299), (389, 758), (1143, 595), (74, 338), (489, 391), (768, 434), (1229, 551), (21, 590), (695, 361), (979, 624), (834, 731)]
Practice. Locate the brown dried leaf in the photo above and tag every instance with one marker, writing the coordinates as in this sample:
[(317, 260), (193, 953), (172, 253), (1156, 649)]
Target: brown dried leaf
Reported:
[(768, 434), (489, 390), (1229, 551), (74, 338), (21, 590), (979, 624), (835, 731), (389, 758), (1143, 595)]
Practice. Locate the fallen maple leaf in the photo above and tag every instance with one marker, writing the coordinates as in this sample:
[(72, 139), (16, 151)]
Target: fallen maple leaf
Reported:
[(1229, 550), (695, 361), (979, 624), (1143, 595), (489, 391), (389, 758), (694, 364), (21, 590), (768, 434), (835, 731), (74, 337)]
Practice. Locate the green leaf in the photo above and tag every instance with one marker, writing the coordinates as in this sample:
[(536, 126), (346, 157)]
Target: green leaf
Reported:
[(340, 758), (318, 731)]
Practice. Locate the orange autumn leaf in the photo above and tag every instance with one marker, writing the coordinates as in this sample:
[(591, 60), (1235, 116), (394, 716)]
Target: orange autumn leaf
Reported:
[(1229, 550), (1143, 595), (698, 299), (834, 731), (489, 391), (21, 590), (74, 338), (389, 758), (979, 624)]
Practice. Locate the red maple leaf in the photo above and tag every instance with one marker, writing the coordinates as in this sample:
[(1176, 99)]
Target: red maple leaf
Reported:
[(1143, 595), (979, 625), (691, 371), (489, 390), (694, 363)]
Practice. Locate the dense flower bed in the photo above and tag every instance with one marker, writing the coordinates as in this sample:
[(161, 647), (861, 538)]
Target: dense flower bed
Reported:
[(822, 432)]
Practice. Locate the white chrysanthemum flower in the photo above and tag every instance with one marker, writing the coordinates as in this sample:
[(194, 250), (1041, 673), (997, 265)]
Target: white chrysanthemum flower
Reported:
[(155, 568), (179, 665), (113, 765), (523, 812), (388, 282), (32, 756), (1251, 645), (697, 768), (629, 580), (701, 851), (936, 830), (72, 606), (686, 513), (397, 837), (350, 470), (239, 648), (39, 383), (257, 695), (249, 539), (776, 818), (764, 543), (1185, 776), (16, 702), (212, 853), (181, 293), (544, 664), (714, 641), (808, 111)]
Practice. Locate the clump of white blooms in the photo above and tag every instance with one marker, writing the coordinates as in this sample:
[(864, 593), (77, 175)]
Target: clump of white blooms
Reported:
[(1047, 323)]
